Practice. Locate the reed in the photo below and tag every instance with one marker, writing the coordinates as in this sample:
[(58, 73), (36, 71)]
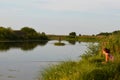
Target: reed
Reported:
[(90, 67)]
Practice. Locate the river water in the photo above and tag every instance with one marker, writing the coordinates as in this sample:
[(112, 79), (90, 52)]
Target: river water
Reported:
[(26, 60)]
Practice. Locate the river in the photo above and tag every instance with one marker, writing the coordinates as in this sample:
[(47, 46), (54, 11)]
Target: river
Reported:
[(26, 60)]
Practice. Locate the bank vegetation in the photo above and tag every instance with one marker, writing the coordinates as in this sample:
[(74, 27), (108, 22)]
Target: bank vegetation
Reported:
[(90, 66)]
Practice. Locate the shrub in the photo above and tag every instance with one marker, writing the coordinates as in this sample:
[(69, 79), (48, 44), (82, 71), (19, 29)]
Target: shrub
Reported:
[(97, 74)]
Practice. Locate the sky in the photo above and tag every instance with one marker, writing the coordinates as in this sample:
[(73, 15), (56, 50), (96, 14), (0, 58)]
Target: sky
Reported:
[(60, 17)]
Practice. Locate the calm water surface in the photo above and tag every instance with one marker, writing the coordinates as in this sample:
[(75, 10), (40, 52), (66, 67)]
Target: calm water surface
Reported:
[(25, 61)]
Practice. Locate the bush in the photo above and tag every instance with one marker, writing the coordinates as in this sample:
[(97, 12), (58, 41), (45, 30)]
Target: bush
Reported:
[(97, 74), (90, 66)]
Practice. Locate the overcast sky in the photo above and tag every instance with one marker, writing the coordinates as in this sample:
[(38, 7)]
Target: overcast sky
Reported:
[(61, 16)]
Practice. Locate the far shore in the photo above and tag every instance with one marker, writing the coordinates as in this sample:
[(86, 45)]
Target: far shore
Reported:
[(22, 40)]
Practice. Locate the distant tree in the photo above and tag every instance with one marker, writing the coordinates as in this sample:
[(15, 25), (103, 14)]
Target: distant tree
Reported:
[(116, 32), (7, 34), (43, 33), (43, 36), (72, 35), (28, 30), (104, 34), (80, 35), (30, 33), (25, 33)]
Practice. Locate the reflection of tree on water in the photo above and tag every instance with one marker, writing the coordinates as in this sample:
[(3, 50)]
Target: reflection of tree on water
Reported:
[(59, 43), (42, 42), (32, 45), (28, 46), (4, 46), (73, 42)]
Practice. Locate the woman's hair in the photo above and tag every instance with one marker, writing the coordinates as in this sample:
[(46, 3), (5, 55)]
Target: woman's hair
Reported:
[(106, 50)]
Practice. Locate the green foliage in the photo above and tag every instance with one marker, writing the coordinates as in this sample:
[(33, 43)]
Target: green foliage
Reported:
[(61, 72), (92, 49), (104, 34), (90, 67), (116, 32), (112, 42), (42, 36), (30, 33), (97, 74), (73, 39), (7, 34), (72, 35), (85, 38), (26, 33), (28, 30), (109, 33)]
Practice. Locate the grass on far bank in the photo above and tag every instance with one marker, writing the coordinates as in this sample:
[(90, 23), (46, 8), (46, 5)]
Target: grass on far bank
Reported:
[(83, 38), (90, 67)]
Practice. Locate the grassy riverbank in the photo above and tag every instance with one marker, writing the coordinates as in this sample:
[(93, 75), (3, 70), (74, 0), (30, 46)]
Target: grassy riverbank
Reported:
[(90, 67), (83, 38)]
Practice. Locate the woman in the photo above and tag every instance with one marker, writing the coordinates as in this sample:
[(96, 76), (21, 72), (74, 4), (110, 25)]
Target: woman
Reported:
[(108, 56)]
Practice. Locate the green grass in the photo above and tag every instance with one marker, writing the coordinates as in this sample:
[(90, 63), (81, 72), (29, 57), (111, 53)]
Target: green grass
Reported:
[(90, 67), (83, 38)]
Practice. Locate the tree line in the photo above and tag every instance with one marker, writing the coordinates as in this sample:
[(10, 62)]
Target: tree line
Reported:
[(25, 33), (109, 33)]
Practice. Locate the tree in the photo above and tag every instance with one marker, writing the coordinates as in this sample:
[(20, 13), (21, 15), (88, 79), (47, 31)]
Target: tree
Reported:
[(104, 34), (72, 35), (43, 36), (116, 32), (30, 33), (7, 34), (28, 30)]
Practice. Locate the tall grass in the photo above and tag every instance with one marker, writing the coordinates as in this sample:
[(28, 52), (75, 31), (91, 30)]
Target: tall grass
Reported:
[(90, 67)]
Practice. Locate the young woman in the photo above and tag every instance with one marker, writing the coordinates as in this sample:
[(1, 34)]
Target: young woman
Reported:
[(108, 56)]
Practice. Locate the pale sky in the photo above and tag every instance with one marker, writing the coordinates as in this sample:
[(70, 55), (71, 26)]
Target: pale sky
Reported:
[(61, 16)]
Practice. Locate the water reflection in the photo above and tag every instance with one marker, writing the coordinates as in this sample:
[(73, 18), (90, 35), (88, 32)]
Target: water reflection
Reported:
[(16, 64), (29, 45), (5, 46), (73, 42)]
